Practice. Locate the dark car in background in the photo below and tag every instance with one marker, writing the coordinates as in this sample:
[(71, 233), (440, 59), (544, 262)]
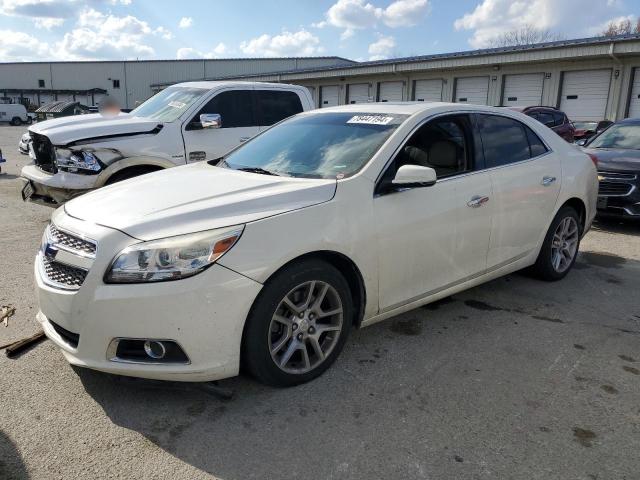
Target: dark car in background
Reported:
[(586, 130), (552, 118), (617, 150)]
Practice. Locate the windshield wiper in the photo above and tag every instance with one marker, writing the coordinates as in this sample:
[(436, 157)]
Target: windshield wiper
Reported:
[(258, 170)]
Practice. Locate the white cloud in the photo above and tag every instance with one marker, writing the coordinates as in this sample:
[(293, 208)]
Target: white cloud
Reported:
[(286, 44), (352, 15), (188, 52), (20, 46), (402, 13), (44, 13), (185, 22), (163, 32), (48, 23), (381, 48), (106, 36), (570, 18)]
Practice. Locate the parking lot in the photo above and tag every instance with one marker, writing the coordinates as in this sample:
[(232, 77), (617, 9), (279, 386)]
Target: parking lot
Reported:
[(514, 379)]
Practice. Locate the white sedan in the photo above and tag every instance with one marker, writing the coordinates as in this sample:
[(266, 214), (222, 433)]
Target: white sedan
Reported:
[(332, 219)]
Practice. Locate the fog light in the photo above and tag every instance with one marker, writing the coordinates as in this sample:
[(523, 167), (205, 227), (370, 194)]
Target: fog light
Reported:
[(154, 349), (149, 351)]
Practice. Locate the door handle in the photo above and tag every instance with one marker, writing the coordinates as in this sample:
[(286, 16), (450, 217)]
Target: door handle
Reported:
[(244, 139), (546, 181), (477, 201)]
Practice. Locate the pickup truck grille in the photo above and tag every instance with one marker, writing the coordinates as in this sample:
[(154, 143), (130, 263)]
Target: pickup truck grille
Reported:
[(44, 152)]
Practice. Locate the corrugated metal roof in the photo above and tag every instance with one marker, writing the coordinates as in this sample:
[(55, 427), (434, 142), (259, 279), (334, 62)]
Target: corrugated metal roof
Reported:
[(452, 55)]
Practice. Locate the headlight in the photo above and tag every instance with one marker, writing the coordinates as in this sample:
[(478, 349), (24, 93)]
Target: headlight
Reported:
[(171, 258), (77, 161)]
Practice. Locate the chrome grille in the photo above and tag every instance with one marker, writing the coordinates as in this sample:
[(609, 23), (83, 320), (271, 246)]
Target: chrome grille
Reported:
[(616, 175), (63, 275), (71, 242), (614, 189)]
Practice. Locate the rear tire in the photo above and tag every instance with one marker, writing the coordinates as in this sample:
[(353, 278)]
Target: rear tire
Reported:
[(298, 324), (560, 247)]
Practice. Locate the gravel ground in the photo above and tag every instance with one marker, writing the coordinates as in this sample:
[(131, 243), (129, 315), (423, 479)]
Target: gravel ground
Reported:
[(515, 379)]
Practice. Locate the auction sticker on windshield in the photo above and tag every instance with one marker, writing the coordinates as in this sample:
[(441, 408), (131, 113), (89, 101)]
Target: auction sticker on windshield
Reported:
[(176, 104), (371, 119)]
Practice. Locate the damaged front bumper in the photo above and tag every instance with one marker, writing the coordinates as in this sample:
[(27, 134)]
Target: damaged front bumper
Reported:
[(53, 190)]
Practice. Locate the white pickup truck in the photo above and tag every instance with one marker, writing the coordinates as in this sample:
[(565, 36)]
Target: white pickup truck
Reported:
[(184, 123)]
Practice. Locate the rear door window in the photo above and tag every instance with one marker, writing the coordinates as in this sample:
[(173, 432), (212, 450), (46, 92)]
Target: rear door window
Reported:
[(234, 106), (275, 105), (505, 140)]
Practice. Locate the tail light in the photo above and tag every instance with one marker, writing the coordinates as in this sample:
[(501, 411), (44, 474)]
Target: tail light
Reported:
[(594, 159)]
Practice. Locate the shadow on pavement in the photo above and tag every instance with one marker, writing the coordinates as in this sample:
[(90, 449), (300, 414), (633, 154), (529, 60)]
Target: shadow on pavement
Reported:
[(615, 225), (433, 393), (11, 464)]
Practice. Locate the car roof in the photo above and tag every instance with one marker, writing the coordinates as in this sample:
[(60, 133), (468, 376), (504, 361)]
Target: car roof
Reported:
[(408, 108), (629, 121), (215, 84)]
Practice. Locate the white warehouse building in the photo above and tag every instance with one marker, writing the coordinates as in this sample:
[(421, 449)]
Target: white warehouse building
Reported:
[(590, 79), (129, 82)]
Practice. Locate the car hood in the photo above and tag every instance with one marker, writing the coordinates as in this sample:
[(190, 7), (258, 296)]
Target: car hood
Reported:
[(194, 198), (66, 130), (616, 159)]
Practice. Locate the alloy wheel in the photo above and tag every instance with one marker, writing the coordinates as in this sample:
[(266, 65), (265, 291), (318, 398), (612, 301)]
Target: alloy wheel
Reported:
[(564, 244), (305, 327)]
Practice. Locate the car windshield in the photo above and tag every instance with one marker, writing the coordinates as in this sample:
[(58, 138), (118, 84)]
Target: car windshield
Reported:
[(168, 105), (585, 125), (317, 145), (626, 137)]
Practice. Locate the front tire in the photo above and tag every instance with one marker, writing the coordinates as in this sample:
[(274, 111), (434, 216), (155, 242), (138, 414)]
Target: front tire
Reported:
[(560, 248), (15, 121), (298, 324)]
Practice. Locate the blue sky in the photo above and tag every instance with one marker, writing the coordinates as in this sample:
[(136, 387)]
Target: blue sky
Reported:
[(356, 29)]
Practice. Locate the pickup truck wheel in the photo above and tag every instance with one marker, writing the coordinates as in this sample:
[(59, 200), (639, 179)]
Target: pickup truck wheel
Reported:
[(298, 324), (560, 248), (15, 121)]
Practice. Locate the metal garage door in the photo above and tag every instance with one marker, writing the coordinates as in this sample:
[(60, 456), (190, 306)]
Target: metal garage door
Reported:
[(329, 96), (390, 91), (522, 90), (472, 90), (634, 101), (427, 90), (358, 93), (584, 94)]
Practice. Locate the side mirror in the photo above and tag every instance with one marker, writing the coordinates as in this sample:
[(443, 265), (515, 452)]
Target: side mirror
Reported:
[(211, 120), (581, 142), (602, 125), (411, 176)]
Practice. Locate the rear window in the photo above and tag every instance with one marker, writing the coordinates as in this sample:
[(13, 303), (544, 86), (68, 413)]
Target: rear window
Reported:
[(274, 105)]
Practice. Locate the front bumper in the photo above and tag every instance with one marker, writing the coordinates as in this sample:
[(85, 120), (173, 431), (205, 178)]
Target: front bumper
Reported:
[(619, 194), (55, 189), (23, 148), (204, 314)]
